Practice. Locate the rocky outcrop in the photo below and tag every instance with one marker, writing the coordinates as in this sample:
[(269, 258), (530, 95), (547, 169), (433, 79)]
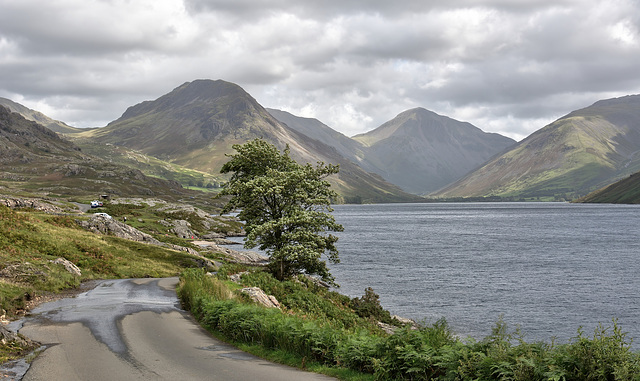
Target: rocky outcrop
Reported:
[(103, 224), (19, 203), (257, 295), (180, 228), (23, 273), (68, 265), (7, 336), (250, 258)]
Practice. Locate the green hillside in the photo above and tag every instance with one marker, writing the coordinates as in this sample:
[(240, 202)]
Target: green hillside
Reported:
[(571, 157), (626, 191), (37, 162), (195, 126)]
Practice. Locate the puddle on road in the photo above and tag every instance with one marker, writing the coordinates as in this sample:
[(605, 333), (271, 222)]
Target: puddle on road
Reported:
[(101, 308)]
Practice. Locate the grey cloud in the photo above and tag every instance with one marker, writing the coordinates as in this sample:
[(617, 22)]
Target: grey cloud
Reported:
[(353, 64)]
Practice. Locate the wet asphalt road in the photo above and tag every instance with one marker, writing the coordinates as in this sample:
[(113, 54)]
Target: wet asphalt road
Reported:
[(134, 329)]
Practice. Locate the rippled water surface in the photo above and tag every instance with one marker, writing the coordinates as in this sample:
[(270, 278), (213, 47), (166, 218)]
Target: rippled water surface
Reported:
[(547, 267)]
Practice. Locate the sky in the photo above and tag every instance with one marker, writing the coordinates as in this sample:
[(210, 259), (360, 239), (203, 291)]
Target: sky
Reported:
[(506, 66)]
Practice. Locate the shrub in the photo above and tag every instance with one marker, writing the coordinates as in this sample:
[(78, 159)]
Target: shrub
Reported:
[(368, 306), (314, 332)]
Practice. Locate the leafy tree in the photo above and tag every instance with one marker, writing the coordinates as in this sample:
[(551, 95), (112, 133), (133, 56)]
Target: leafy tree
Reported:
[(285, 207)]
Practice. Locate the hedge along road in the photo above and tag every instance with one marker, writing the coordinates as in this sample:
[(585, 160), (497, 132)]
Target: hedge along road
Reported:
[(133, 329)]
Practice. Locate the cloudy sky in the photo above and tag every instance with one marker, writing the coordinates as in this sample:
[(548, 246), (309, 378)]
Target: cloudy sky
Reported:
[(506, 66)]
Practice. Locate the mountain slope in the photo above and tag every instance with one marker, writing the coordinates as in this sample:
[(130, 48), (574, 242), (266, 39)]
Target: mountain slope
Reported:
[(196, 124), (625, 191), (36, 116), (579, 152), (36, 160), (422, 151), (315, 129)]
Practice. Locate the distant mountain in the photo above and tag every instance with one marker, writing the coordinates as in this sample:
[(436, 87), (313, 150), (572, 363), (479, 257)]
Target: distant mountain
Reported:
[(36, 116), (572, 156), (196, 124), (625, 191), (35, 160), (418, 150), (315, 129), (422, 151)]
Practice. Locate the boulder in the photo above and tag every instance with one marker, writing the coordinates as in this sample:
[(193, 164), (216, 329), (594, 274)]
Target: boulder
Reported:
[(7, 336), (22, 272), (182, 229), (407, 322), (69, 266), (257, 295), (16, 203), (110, 226)]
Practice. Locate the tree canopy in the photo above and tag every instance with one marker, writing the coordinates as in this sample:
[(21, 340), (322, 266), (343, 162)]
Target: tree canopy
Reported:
[(286, 208)]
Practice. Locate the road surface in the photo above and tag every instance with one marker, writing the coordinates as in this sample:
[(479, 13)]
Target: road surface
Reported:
[(133, 329)]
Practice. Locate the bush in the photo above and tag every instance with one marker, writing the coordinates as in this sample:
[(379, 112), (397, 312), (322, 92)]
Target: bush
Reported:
[(429, 353), (368, 306)]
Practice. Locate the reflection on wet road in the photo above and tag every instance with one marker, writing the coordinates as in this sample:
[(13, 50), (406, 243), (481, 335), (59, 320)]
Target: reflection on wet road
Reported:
[(103, 307), (135, 330)]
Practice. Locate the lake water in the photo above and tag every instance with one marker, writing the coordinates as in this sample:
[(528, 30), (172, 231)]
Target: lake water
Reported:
[(549, 268)]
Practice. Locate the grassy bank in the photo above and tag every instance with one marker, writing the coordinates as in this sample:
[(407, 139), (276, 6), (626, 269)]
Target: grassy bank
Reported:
[(327, 332), (30, 241)]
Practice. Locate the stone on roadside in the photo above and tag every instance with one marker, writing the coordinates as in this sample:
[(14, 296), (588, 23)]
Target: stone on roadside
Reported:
[(68, 265), (257, 295)]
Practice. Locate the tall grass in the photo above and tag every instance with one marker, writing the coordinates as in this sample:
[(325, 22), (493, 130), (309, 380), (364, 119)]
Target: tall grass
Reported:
[(429, 353)]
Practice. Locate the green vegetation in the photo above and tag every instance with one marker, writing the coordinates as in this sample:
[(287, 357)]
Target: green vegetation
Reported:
[(625, 191), (152, 166), (31, 241), (285, 206), (321, 331)]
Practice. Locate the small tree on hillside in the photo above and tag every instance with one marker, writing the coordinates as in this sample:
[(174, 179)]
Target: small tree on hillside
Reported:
[(285, 207)]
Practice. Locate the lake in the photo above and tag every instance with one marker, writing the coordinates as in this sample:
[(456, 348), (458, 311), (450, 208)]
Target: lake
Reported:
[(548, 268)]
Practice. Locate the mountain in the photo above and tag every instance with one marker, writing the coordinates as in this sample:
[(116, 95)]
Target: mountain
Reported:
[(572, 156), (422, 151), (35, 160), (315, 129), (196, 124), (625, 191), (36, 116)]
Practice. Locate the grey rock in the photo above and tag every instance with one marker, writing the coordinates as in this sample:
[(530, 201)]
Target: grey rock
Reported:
[(68, 265), (257, 295), (111, 226), (35, 204)]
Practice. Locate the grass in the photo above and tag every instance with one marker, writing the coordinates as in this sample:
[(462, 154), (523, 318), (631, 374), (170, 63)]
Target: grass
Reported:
[(30, 241), (152, 166), (310, 335)]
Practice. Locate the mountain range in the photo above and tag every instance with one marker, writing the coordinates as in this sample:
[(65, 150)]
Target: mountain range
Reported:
[(418, 150), (186, 134), (37, 116), (34, 160), (578, 153), (196, 125)]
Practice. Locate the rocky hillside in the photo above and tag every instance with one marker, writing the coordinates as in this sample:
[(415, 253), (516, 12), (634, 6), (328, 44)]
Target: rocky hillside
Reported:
[(572, 156), (422, 151), (37, 116), (196, 124), (35, 160)]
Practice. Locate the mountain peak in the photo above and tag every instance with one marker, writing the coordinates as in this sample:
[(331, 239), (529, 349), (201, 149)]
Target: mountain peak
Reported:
[(422, 151), (581, 151), (195, 96)]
